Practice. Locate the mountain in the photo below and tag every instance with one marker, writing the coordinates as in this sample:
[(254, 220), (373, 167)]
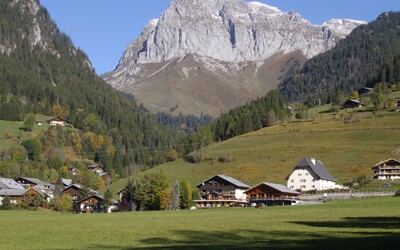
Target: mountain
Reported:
[(41, 71), (366, 57), (225, 53)]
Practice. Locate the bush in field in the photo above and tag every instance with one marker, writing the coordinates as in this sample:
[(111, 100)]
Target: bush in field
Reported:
[(6, 204)]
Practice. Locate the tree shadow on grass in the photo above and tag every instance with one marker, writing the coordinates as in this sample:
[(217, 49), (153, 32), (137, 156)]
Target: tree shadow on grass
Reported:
[(259, 239), (357, 222)]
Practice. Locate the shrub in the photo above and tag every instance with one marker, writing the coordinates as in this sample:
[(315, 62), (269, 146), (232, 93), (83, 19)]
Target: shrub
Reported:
[(6, 204)]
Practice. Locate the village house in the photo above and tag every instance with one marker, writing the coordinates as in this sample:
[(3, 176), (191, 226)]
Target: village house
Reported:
[(365, 91), (99, 170), (74, 191), (56, 121), (12, 189), (94, 204), (271, 194), (351, 104), (15, 192), (31, 182), (221, 191), (388, 169), (310, 174)]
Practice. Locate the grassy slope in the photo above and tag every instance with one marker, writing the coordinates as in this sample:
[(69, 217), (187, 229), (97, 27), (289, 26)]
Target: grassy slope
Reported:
[(13, 127), (347, 150), (359, 223)]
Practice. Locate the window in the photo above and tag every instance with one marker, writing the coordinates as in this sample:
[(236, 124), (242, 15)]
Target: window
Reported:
[(313, 186), (307, 174), (291, 187), (292, 181), (299, 174), (303, 186), (303, 180)]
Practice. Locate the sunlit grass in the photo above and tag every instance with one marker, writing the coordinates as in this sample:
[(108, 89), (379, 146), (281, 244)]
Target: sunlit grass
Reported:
[(336, 224)]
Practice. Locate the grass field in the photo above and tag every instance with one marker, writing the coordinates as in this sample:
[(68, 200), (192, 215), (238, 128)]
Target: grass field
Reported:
[(356, 224)]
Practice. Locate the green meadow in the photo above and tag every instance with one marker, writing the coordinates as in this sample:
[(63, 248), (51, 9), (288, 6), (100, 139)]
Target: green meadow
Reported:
[(357, 224), (348, 150)]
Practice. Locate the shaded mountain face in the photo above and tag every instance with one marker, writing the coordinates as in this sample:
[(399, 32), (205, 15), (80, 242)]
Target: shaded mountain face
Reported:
[(369, 55), (223, 54)]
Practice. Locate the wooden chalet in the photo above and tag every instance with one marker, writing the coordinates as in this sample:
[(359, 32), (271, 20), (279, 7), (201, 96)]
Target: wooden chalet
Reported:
[(94, 204), (271, 194), (365, 91), (96, 168), (74, 191), (351, 104), (106, 177), (388, 169), (99, 170), (56, 121), (221, 191)]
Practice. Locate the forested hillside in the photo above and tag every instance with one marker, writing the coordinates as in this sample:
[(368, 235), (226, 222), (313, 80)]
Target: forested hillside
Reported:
[(42, 72), (364, 58)]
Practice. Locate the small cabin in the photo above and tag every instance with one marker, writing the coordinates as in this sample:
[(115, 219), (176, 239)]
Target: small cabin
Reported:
[(351, 104), (56, 121)]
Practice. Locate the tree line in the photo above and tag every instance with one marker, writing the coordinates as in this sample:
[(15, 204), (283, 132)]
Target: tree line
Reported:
[(364, 58)]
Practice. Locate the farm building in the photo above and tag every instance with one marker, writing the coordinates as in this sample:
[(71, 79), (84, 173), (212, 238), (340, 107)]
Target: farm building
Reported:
[(351, 104), (222, 191), (365, 91), (271, 194), (388, 169), (310, 174), (56, 121)]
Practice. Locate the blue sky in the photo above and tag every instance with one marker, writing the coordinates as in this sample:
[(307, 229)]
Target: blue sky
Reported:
[(103, 28)]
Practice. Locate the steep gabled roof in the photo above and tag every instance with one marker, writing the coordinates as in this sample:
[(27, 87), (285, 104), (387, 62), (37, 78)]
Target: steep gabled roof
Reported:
[(316, 166), (6, 183), (229, 179)]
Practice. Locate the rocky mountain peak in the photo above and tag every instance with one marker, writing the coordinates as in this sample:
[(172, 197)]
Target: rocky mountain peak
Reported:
[(222, 36)]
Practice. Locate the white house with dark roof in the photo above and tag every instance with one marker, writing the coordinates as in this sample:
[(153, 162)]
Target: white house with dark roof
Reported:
[(310, 174), (222, 191)]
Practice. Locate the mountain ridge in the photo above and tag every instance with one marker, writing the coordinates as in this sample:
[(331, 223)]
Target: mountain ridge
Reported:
[(222, 36)]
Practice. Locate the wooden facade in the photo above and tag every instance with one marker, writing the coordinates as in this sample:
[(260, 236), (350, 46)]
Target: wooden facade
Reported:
[(271, 194), (74, 191), (56, 121), (351, 104), (221, 191), (91, 204), (388, 169)]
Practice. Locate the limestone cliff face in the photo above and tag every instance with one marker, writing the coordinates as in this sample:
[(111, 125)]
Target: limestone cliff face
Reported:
[(220, 33)]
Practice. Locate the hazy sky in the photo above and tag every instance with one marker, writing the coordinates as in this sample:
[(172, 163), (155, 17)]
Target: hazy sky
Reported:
[(103, 28)]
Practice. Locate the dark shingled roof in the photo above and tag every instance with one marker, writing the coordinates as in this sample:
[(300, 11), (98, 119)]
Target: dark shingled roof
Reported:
[(279, 187), (229, 179), (316, 166)]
